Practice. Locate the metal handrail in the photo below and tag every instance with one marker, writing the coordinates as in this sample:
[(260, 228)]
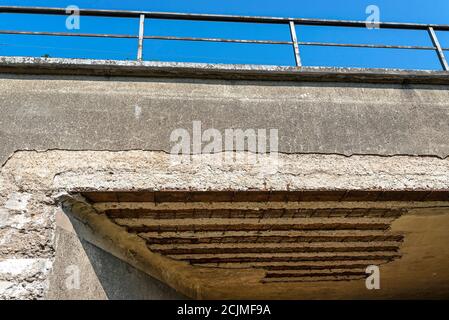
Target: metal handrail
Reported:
[(291, 22)]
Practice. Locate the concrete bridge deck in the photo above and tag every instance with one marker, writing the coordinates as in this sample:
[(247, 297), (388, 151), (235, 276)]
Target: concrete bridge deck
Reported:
[(363, 140)]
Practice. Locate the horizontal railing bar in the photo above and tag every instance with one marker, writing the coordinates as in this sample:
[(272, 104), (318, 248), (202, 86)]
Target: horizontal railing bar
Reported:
[(274, 42), (215, 17), (216, 40), (67, 34), (363, 24), (374, 46)]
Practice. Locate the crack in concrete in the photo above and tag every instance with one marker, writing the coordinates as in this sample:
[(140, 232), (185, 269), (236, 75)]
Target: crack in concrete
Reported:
[(235, 152)]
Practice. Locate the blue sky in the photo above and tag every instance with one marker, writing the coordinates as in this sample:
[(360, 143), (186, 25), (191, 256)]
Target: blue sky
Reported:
[(419, 11)]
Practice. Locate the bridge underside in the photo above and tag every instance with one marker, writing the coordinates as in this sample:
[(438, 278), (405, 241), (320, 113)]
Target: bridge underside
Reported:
[(214, 230), (268, 245), (271, 232)]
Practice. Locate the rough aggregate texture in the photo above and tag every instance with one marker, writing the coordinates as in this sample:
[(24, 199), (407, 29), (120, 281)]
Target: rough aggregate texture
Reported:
[(31, 181)]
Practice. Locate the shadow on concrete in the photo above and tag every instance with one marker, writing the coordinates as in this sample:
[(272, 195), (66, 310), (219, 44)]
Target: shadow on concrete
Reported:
[(101, 275), (317, 83)]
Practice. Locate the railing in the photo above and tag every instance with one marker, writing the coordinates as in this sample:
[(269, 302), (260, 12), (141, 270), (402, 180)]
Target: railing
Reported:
[(291, 22)]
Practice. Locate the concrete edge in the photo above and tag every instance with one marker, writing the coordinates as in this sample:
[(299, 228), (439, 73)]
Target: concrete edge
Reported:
[(92, 67)]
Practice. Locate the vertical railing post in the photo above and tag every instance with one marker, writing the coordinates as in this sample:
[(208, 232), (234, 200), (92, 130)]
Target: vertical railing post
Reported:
[(295, 43), (141, 33), (438, 48)]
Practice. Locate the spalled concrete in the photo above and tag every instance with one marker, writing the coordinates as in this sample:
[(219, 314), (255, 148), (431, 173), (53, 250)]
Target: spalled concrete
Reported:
[(45, 175)]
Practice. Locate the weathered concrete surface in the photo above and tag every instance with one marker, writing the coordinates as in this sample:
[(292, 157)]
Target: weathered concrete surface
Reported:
[(148, 170), (32, 181), (323, 115), (50, 112), (23, 278)]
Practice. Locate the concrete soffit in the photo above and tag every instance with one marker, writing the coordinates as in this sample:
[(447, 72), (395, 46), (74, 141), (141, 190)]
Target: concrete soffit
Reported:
[(214, 231)]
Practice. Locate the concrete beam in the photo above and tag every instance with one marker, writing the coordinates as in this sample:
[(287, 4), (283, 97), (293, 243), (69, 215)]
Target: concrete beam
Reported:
[(42, 112)]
